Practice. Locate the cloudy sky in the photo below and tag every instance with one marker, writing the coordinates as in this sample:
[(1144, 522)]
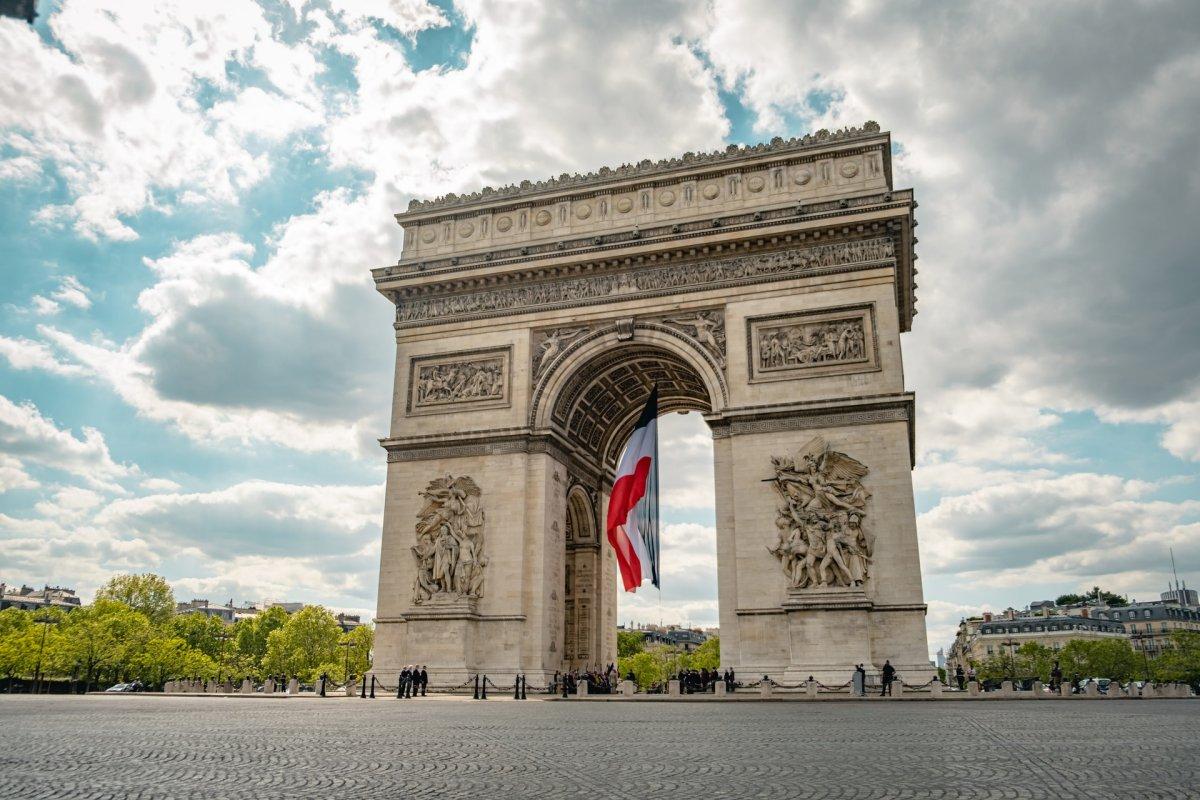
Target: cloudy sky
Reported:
[(194, 366)]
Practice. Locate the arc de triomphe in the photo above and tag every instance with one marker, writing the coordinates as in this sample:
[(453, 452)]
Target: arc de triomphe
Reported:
[(765, 287)]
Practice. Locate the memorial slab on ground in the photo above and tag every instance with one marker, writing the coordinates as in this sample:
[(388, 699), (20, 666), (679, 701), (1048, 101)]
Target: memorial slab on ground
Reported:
[(94, 748)]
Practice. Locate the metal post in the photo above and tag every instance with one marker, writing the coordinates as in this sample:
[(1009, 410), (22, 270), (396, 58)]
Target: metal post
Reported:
[(362, 693), (372, 685), (524, 685), (476, 696), (322, 684), (516, 687), (483, 694), (399, 687)]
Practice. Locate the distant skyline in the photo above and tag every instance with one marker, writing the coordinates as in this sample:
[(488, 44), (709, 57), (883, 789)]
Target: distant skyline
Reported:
[(195, 367)]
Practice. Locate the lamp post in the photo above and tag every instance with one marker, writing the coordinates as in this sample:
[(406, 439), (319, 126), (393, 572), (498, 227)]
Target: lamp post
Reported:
[(347, 644), (1012, 657), (45, 620), (223, 637)]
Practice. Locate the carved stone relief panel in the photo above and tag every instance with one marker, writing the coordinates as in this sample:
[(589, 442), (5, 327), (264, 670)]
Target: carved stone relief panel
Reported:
[(473, 379), (813, 343), (823, 540), (449, 548), (706, 328)]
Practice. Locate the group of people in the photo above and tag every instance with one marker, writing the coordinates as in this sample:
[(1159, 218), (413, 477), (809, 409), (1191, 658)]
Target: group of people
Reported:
[(887, 676), (598, 681), (413, 679), (702, 681)]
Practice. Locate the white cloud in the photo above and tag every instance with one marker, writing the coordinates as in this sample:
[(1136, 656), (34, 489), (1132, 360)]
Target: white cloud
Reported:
[(13, 475), (44, 306), (72, 292), (27, 354), (33, 438), (160, 485)]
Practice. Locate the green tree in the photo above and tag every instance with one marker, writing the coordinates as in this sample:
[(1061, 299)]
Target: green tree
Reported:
[(1096, 594), (147, 593), (306, 645), (707, 655), (103, 640), (201, 632), (1181, 662), (18, 643), (1104, 658), (250, 635), (630, 643), (165, 657), (647, 668)]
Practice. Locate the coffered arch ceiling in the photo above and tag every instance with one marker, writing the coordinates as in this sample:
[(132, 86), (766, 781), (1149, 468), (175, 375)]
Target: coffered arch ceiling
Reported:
[(600, 404)]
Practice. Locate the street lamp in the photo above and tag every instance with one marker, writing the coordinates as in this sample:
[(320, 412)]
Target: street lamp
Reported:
[(45, 620), (346, 671), (223, 636), (1012, 657)]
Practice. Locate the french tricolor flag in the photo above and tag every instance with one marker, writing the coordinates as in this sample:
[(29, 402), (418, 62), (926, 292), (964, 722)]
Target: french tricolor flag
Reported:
[(633, 506)]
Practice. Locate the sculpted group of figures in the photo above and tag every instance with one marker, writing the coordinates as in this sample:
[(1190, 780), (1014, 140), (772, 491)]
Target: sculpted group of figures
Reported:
[(449, 548), (813, 343), (460, 380), (822, 505), (677, 276)]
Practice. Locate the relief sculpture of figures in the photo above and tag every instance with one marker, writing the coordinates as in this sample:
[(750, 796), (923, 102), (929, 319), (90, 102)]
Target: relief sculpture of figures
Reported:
[(811, 343), (449, 548), (823, 540), (549, 344), (708, 329), (460, 380)]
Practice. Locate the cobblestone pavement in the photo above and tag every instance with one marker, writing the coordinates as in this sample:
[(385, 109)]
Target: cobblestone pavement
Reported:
[(156, 747)]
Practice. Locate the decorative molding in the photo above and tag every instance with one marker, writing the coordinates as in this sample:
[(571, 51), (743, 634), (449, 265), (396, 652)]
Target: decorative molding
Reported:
[(618, 286), (644, 168), (810, 344), (704, 327), (548, 344), (468, 380), (799, 422)]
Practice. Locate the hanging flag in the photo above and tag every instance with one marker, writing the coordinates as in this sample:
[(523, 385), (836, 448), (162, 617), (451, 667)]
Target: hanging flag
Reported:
[(633, 506)]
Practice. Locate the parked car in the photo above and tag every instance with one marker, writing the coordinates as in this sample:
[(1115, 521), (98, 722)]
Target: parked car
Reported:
[(120, 687)]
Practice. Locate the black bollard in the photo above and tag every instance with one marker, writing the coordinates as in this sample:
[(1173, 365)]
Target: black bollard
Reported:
[(564, 683), (399, 687), (483, 694), (476, 696), (524, 685), (372, 686), (322, 685), (516, 687), (362, 693)]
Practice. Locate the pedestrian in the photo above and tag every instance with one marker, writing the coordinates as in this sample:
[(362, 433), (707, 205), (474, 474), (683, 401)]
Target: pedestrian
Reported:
[(1056, 678), (860, 680), (424, 680), (889, 674), (958, 676)]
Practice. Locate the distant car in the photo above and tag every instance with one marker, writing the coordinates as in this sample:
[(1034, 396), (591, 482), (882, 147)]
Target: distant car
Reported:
[(120, 687)]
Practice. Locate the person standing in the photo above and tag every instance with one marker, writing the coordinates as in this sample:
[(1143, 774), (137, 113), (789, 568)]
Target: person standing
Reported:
[(889, 675), (958, 676), (860, 680), (424, 678), (1056, 678)]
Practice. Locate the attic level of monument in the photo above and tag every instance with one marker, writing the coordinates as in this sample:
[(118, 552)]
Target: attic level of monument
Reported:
[(731, 156), (677, 198)]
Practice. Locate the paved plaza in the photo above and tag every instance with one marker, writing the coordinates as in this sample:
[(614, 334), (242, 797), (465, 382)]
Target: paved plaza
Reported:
[(201, 747)]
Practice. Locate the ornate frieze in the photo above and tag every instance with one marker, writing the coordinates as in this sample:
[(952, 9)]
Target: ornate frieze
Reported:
[(672, 279), (811, 344), (475, 379), (821, 517), (450, 547), (547, 344)]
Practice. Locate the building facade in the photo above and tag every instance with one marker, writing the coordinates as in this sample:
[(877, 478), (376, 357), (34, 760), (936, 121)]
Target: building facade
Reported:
[(30, 599), (767, 288)]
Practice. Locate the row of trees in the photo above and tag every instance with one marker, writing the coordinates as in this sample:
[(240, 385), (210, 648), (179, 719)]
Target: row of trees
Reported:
[(1107, 658), (131, 632), (654, 665)]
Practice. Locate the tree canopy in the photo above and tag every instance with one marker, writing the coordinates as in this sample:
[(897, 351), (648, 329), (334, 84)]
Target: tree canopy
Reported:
[(147, 593)]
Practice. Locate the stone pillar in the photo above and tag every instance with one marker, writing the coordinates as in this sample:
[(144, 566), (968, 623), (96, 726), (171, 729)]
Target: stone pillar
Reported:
[(1091, 689), (673, 688), (269, 686), (1006, 687), (627, 688), (935, 688), (973, 689), (897, 687), (294, 686), (581, 688), (719, 688), (1039, 690), (351, 688), (765, 688), (247, 686), (1115, 690)]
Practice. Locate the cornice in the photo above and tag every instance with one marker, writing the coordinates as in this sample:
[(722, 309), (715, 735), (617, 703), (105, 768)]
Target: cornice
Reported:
[(643, 169)]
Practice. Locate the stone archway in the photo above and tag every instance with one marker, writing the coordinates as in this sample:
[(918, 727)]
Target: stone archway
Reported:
[(766, 287)]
